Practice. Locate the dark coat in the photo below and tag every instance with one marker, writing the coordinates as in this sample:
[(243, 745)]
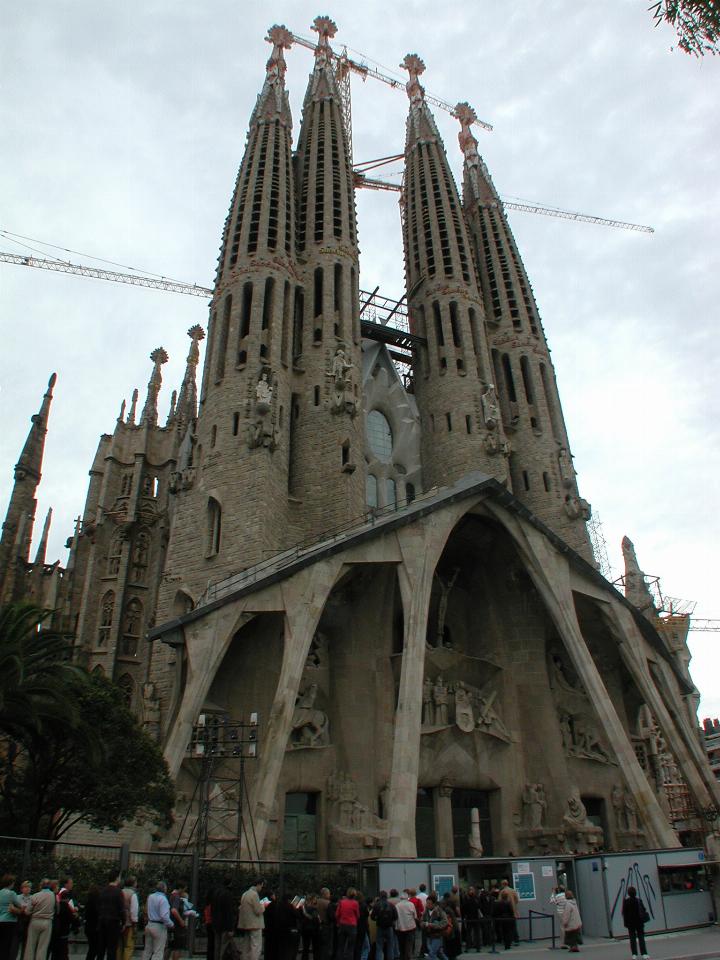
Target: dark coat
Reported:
[(631, 913)]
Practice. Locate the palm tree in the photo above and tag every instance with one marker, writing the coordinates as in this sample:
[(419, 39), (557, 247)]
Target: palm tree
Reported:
[(35, 668)]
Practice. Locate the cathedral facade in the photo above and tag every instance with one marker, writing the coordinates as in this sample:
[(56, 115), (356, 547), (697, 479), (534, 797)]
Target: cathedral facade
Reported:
[(391, 572)]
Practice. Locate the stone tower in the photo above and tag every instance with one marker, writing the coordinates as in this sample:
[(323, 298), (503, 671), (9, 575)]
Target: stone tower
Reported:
[(541, 467), (118, 553), (461, 425), (327, 467), (17, 529)]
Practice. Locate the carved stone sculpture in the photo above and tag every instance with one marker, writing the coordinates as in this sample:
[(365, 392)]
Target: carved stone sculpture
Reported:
[(352, 824), (344, 389), (262, 431), (445, 588), (464, 717), (490, 407), (309, 725), (534, 806), (428, 718), (440, 701), (475, 840)]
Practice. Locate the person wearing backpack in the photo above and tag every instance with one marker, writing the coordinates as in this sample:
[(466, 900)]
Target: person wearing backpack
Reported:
[(384, 914), (635, 916), (435, 924)]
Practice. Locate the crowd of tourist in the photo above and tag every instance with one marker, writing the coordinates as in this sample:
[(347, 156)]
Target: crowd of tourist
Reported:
[(394, 925)]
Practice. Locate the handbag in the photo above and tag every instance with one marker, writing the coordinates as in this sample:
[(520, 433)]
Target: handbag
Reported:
[(643, 912)]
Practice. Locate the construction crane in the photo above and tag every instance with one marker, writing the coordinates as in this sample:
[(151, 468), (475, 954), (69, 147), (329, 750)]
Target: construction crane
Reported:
[(345, 65), (374, 184)]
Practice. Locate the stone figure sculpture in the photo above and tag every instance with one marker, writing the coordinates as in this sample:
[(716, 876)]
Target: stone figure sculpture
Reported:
[(342, 375), (445, 588), (262, 431), (577, 814), (309, 725), (490, 407), (428, 705), (440, 700), (464, 717), (534, 806)]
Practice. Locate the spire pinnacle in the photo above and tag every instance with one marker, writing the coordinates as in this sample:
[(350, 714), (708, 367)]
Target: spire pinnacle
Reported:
[(121, 415), (133, 406), (466, 116), (281, 39), (149, 414), (30, 462), (415, 67), (326, 29), (42, 546), (636, 588), (186, 409)]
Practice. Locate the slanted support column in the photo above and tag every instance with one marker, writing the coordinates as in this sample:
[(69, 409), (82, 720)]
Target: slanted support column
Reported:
[(206, 643), (687, 751), (305, 597), (420, 548), (551, 576)]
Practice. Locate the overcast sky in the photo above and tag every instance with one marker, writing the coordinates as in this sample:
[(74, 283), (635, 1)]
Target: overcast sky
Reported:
[(122, 129)]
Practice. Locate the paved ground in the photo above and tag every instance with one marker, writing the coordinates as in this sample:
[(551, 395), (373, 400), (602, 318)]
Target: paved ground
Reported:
[(703, 944)]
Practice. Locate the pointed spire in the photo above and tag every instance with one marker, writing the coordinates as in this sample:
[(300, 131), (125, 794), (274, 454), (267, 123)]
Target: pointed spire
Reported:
[(636, 588), (323, 84), (133, 406), (42, 546), (186, 410), (149, 415), (421, 123), (272, 102), (172, 410), (30, 462), (477, 175), (121, 415)]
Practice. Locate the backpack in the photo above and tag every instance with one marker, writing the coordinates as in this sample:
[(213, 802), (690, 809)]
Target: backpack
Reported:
[(384, 914), (449, 928), (643, 912)]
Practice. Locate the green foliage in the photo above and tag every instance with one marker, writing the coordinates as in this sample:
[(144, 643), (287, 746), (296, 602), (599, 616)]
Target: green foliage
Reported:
[(34, 670), (74, 750), (696, 22)]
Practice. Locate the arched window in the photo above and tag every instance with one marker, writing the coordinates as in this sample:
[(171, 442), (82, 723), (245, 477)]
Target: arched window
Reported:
[(379, 435), (140, 554), (127, 686), (391, 492), (98, 671), (107, 607), (132, 626), (126, 485), (214, 527), (371, 490), (114, 554)]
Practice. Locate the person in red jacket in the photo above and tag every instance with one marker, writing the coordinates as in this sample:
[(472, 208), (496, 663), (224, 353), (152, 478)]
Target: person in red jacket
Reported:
[(347, 915)]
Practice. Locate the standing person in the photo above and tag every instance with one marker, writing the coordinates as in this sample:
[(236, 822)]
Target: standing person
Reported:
[(422, 897), (288, 928), (65, 914), (310, 928), (323, 902), (224, 915), (347, 914), (557, 899), (452, 944), (405, 925), (42, 914), (209, 932), (635, 916), (92, 921), (503, 919), (510, 893), (132, 911), (111, 918), (251, 921), (177, 914), (384, 913), (434, 923), (571, 922), (11, 907), (471, 919), (362, 940), (158, 923), (24, 918), (419, 910)]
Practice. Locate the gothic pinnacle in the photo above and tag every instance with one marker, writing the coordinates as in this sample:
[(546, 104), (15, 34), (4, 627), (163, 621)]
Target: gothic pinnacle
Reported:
[(326, 29), (186, 409), (415, 67), (149, 414), (133, 406), (30, 462), (42, 546), (281, 39)]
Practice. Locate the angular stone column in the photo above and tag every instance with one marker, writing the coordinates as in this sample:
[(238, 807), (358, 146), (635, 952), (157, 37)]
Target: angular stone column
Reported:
[(421, 546), (305, 597), (442, 803), (692, 761), (551, 576)]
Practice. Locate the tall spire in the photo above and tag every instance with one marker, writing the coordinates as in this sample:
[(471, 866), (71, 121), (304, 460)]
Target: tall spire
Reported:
[(452, 373), (186, 409), (133, 406), (17, 528), (150, 414), (42, 546), (30, 462), (541, 469), (260, 219)]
